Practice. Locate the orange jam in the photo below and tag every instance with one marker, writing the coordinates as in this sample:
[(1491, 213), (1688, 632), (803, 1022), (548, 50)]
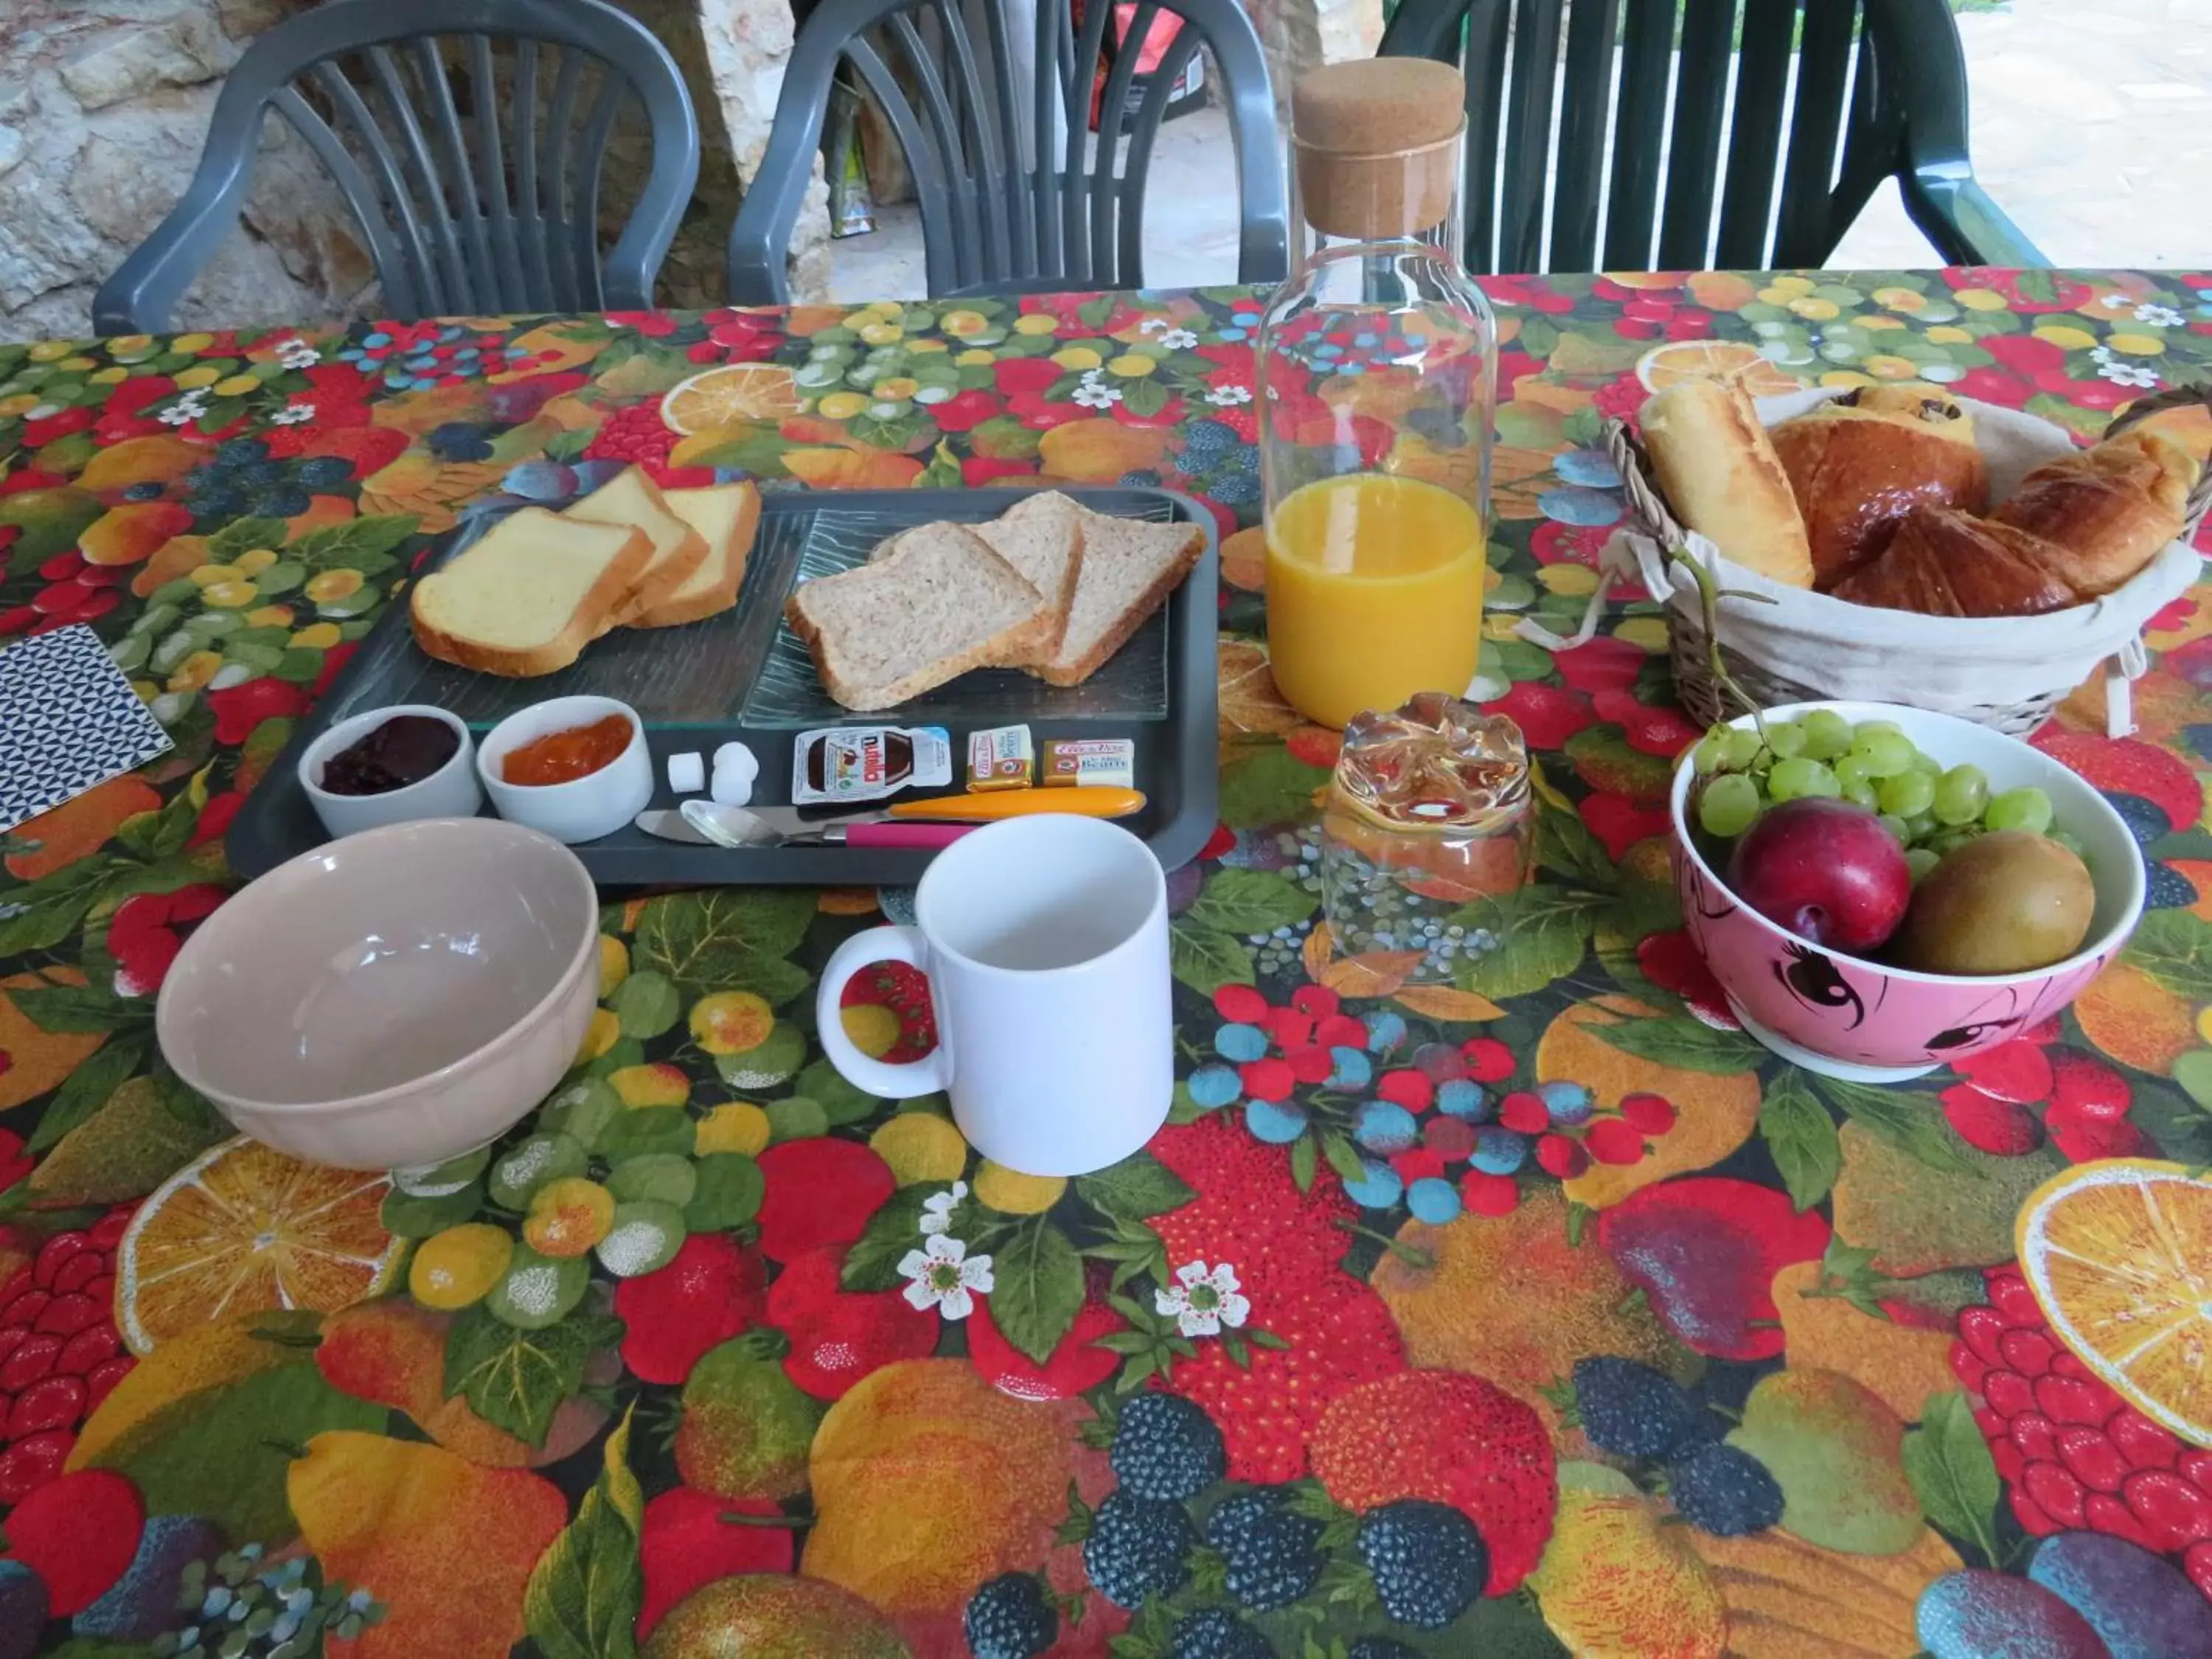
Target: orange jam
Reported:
[(564, 757)]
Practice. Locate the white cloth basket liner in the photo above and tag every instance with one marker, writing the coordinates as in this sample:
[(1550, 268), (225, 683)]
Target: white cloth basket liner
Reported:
[(1859, 653)]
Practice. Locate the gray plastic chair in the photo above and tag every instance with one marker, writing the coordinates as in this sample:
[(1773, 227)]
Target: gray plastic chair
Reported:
[(487, 203), (1820, 108), (994, 220)]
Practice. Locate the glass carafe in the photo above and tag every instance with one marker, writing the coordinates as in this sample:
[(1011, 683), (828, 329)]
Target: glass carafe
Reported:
[(1377, 368)]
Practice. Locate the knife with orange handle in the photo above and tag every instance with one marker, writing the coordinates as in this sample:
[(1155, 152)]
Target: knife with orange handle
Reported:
[(1088, 801)]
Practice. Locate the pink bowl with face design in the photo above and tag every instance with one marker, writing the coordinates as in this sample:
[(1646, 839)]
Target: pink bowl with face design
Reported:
[(1847, 1017)]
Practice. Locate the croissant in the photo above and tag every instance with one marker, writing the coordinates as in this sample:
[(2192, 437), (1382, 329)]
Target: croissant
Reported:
[(1943, 562), (2115, 505), (1859, 462)]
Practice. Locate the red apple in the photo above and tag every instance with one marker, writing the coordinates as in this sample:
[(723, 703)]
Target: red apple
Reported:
[(1827, 870)]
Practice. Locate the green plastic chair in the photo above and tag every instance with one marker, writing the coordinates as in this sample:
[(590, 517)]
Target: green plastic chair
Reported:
[(427, 115), (995, 220), (1819, 101)]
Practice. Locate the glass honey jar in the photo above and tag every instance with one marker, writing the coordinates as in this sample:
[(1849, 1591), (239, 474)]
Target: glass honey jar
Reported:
[(1429, 813)]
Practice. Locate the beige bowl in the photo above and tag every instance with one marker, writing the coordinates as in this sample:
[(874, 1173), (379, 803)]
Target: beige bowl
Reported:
[(394, 998)]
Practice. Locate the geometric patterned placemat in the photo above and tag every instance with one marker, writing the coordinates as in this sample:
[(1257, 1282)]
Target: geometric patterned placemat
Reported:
[(69, 719)]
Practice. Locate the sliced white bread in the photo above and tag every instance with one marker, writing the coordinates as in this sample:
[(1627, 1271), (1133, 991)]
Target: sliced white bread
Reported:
[(1127, 570), (531, 595), (631, 498), (938, 605), (726, 516)]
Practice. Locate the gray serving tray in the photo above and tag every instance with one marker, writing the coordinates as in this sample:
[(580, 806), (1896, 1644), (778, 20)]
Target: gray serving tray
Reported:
[(743, 676)]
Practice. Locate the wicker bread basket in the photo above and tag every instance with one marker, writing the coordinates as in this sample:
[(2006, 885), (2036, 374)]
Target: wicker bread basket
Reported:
[(1790, 645)]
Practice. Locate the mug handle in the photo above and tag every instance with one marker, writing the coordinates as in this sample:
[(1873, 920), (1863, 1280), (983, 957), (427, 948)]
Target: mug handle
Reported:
[(932, 1072)]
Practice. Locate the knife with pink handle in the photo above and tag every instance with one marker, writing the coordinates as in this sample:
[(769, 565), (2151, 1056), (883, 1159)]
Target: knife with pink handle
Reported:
[(906, 837)]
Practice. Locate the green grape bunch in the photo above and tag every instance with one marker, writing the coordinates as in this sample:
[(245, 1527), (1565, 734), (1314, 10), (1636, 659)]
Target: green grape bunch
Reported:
[(1932, 809)]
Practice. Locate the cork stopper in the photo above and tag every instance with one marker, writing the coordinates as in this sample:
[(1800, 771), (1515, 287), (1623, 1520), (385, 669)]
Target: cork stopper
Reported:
[(1376, 142)]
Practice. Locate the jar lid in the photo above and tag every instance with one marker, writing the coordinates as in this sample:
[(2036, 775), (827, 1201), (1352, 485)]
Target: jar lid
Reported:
[(1375, 143), (1376, 106)]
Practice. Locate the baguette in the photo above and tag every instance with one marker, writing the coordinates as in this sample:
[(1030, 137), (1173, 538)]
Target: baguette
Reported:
[(530, 596), (936, 604), (1718, 469)]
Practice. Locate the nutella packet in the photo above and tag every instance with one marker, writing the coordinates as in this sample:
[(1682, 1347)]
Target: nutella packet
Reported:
[(1110, 761), (1000, 758), (842, 764)]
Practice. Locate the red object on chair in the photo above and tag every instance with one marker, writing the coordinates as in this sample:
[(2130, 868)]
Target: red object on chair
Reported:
[(1150, 50)]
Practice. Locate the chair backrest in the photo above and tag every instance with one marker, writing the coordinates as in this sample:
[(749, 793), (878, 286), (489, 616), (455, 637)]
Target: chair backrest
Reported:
[(467, 136), (1623, 106), (1016, 191)]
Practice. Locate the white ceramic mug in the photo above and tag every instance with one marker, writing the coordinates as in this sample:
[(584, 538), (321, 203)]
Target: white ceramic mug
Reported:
[(1045, 939)]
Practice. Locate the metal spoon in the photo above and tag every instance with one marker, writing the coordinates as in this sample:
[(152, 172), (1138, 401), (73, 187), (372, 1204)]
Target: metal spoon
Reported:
[(703, 822)]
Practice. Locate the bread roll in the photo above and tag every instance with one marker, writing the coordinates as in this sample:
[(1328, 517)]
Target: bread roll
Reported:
[(2114, 506), (1942, 562), (1916, 403), (1859, 464), (1714, 463)]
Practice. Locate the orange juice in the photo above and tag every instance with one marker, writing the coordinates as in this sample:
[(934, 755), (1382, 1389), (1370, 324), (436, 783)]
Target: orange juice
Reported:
[(1374, 593)]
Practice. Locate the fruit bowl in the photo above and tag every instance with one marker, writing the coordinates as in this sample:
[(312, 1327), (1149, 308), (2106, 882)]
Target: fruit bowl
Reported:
[(1870, 1022)]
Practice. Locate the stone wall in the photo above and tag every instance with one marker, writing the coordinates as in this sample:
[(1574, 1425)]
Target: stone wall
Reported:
[(104, 105), (733, 54), (1301, 35), (747, 43)]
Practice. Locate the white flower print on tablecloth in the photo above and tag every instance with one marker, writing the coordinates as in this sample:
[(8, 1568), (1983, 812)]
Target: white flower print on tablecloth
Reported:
[(1203, 1300), (936, 1209), (944, 1276)]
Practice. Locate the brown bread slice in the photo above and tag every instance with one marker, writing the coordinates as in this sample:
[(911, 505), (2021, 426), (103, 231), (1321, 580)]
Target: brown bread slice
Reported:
[(1041, 536), (936, 605), (1129, 569), (530, 596)]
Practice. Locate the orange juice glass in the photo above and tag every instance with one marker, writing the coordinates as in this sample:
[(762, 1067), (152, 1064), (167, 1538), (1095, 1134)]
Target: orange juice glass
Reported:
[(1374, 593), (1377, 368)]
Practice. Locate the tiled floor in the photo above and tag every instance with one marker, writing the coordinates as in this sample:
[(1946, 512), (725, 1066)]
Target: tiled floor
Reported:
[(2092, 127)]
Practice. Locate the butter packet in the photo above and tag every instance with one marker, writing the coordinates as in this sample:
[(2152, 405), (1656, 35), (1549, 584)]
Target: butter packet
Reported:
[(1001, 758), (1108, 761), (842, 764)]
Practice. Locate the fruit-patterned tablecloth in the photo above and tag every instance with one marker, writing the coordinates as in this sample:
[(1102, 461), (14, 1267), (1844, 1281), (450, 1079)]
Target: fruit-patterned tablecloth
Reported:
[(1540, 1313)]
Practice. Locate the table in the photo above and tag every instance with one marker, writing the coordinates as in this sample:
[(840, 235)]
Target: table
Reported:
[(1589, 1212)]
